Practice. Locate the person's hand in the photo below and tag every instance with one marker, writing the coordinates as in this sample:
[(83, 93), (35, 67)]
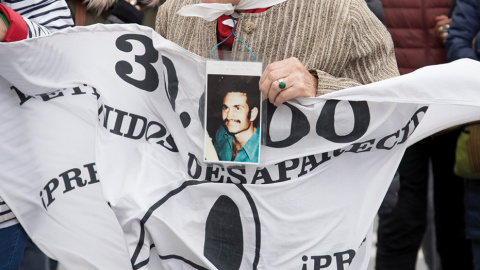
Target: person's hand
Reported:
[(3, 30), (441, 27), (134, 3), (298, 82)]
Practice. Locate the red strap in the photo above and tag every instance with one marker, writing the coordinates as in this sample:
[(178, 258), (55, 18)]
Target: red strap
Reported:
[(18, 29)]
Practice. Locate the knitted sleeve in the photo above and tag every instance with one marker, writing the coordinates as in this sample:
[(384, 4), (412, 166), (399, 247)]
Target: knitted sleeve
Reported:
[(161, 20), (371, 55)]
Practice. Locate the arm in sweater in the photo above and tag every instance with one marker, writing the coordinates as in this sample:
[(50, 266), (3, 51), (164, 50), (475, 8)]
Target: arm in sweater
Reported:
[(370, 56), (465, 26)]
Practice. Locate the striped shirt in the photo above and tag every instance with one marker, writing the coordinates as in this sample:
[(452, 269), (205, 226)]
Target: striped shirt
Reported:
[(6, 215), (42, 17)]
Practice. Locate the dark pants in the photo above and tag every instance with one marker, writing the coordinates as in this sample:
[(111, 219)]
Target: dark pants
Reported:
[(35, 259), (454, 249), (12, 244), (476, 254), (400, 231)]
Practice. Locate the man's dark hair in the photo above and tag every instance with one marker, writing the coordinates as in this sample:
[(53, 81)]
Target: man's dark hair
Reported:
[(220, 85), (248, 85)]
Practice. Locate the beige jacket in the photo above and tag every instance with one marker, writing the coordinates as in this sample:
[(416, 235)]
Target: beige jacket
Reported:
[(341, 39)]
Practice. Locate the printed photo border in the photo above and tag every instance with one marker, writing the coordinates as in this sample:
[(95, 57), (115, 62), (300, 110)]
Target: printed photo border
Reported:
[(233, 112)]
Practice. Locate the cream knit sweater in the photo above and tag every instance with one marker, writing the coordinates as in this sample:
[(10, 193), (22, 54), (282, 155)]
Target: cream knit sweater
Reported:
[(341, 39)]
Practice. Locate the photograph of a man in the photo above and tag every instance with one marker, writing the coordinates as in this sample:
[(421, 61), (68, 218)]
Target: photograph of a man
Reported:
[(237, 136)]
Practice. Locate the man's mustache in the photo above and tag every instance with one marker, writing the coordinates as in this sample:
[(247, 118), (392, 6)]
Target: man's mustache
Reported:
[(231, 120)]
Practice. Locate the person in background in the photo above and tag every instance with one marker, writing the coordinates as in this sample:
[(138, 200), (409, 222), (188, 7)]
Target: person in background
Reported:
[(414, 27), (110, 11), (463, 41), (125, 12), (463, 35), (20, 20)]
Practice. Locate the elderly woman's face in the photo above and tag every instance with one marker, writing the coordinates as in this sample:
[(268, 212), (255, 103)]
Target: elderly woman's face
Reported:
[(233, 2)]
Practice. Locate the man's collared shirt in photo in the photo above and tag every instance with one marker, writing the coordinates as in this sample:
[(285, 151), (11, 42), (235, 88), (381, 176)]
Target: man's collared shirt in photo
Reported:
[(248, 153)]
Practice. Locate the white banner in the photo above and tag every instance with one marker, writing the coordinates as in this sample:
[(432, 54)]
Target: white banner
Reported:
[(121, 106)]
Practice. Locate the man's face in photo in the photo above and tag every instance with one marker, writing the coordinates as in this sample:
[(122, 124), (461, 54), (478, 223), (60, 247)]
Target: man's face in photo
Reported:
[(235, 112)]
